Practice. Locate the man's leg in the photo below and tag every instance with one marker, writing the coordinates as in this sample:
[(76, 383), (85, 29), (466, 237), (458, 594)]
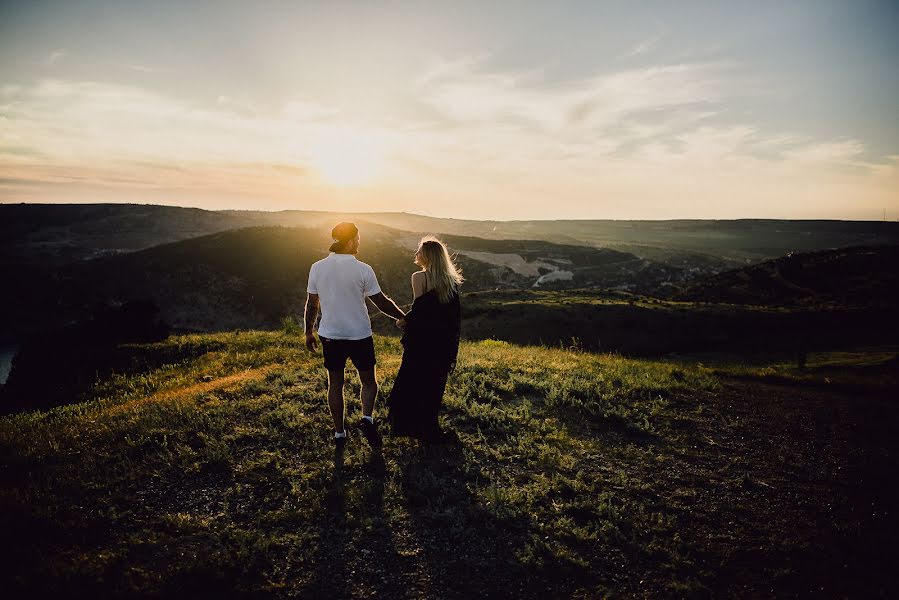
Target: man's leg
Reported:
[(335, 398), (369, 390)]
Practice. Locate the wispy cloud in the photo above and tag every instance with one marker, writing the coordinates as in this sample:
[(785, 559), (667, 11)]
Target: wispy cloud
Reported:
[(462, 92), (143, 69), (649, 43), (56, 56)]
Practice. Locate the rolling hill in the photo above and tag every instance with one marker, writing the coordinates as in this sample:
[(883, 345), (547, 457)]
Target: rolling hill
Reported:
[(701, 244), (254, 277), (61, 233), (50, 234), (858, 276)]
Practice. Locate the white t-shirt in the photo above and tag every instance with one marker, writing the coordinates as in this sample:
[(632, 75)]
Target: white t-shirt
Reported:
[(342, 283)]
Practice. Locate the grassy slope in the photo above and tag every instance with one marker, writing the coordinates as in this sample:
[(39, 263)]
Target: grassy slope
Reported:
[(210, 468), (643, 326)]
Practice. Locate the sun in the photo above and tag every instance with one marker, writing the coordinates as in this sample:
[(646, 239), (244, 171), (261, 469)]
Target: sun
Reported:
[(347, 157)]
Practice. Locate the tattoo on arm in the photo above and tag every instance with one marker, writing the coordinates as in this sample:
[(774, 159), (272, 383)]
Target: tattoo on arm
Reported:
[(311, 312)]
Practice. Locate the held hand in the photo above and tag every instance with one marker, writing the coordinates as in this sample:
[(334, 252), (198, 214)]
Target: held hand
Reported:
[(311, 343)]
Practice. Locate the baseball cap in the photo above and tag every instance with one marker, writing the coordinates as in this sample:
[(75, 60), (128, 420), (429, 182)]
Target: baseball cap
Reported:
[(343, 233)]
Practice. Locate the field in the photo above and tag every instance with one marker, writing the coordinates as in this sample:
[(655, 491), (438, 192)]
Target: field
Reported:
[(205, 469)]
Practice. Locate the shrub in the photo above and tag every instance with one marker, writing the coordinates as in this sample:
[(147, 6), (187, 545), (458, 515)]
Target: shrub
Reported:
[(290, 326)]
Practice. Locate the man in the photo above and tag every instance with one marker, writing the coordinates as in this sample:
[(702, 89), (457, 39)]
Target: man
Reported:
[(339, 285)]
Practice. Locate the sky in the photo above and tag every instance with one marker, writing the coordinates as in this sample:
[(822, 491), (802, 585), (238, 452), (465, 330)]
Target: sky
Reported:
[(483, 110)]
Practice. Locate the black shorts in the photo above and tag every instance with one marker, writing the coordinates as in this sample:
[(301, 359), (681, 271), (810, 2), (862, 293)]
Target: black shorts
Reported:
[(361, 352)]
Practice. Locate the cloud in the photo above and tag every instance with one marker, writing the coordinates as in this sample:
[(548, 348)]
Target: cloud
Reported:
[(460, 92), (104, 121), (142, 69), (845, 152), (652, 142), (665, 112), (643, 47), (56, 56)]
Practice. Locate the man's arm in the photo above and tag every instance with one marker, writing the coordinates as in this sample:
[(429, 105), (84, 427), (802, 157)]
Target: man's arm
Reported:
[(309, 320), (387, 306)]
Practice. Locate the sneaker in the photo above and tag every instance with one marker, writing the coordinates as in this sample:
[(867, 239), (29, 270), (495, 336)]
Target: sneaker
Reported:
[(370, 431), (339, 448)]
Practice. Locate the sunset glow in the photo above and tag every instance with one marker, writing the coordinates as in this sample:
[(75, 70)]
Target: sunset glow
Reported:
[(522, 111), (344, 157)]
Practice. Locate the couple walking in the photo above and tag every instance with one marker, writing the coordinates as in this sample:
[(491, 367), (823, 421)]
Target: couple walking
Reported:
[(338, 286)]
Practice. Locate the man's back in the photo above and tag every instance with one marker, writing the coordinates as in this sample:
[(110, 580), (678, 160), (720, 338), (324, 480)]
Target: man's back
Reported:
[(342, 283)]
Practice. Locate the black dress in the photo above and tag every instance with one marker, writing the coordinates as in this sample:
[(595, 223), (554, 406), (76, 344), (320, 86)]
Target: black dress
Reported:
[(430, 346)]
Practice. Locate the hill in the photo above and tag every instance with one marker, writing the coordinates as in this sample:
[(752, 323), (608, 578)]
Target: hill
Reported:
[(62, 233), (246, 278), (205, 471), (860, 276), (53, 234), (683, 243), (256, 276)]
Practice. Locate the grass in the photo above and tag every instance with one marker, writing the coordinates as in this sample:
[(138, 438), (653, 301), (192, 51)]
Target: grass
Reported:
[(871, 370), (213, 474)]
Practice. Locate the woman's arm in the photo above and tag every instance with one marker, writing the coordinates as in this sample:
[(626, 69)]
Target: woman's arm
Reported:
[(418, 284)]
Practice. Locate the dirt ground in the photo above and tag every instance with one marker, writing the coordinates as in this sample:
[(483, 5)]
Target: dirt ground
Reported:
[(790, 491)]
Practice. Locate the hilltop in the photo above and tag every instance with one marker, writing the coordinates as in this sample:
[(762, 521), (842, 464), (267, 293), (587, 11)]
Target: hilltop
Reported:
[(204, 469)]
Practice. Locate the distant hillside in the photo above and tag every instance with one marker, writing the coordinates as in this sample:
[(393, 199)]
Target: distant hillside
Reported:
[(236, 279), (681, 243), (253, 277), (51, 234), (63, 233), (862, 276), (63, 262), (540, 264), (229, 280)]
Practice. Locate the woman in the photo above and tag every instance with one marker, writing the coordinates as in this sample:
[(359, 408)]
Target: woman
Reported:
[(430, 343)]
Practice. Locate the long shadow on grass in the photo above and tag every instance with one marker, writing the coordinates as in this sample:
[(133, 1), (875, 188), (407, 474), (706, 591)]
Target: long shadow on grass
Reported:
[(356, 554), (473, 550)]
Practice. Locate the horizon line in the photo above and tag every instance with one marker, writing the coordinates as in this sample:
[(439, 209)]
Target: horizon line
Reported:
[(396, 212)]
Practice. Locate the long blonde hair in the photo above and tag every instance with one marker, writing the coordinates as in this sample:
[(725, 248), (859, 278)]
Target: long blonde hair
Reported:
[(436, 260)]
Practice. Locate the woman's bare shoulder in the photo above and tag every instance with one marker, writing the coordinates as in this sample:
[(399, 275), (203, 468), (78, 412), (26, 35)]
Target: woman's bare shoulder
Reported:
[(418, 276)]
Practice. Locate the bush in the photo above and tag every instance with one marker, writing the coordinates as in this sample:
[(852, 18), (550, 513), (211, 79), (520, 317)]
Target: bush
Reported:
[(290, 326)]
